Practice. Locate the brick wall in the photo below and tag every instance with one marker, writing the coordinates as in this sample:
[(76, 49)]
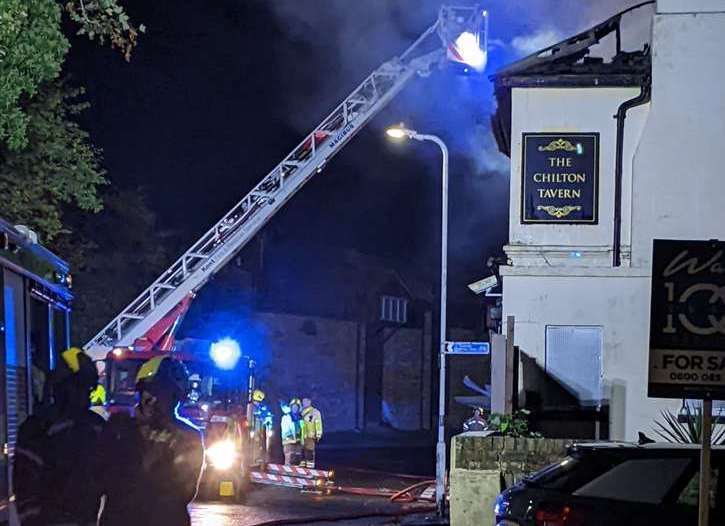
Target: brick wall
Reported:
[(315, 357), (404, 392)]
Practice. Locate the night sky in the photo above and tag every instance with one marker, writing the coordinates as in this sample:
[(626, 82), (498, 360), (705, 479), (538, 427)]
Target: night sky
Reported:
[(219, 91)]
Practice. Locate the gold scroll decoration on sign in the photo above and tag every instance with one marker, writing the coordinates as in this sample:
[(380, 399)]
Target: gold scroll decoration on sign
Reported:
[(558, 144), (559, 211)]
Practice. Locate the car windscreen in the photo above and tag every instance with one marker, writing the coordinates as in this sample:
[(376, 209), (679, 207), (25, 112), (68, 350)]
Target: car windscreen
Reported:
[(123, 379)]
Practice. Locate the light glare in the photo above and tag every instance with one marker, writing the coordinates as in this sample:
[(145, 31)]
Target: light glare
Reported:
[(222, 454), (225, 353), (470, 51), (396, 133)]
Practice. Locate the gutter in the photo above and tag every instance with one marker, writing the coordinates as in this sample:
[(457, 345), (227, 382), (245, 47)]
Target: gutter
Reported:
[(644, 97)]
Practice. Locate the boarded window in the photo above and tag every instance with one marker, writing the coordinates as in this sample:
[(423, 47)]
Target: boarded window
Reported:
[(574, 359)]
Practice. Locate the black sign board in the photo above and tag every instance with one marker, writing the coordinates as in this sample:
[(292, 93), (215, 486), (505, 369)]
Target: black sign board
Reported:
[(560, 178), (687, 320)]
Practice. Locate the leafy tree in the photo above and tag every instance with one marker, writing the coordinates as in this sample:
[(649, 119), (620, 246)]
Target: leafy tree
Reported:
[(33, 48), (59, 167), (112, 258)]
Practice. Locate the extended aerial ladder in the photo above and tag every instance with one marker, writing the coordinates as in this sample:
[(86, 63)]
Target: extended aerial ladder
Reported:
[(457, 28)]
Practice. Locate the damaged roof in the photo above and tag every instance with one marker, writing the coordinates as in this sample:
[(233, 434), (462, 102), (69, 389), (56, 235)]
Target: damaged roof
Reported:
[(568, 64)]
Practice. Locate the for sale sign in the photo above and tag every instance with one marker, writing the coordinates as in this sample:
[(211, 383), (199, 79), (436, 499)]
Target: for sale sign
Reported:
[(687, 321)]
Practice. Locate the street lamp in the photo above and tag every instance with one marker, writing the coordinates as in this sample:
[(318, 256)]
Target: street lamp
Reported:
[(401, 132)]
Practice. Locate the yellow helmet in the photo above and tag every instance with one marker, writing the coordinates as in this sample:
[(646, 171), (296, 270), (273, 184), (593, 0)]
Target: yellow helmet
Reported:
[(74, 363), (258, 395), (149, 369), (163, 372), (71, 357), (295, 401)]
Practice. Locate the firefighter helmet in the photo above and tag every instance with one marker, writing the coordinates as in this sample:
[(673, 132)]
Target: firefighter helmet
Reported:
[(295, 401), (163, 372), (75, 365), (258, 395)]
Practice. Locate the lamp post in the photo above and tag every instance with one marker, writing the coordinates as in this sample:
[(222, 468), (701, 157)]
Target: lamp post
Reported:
[(401, 132)]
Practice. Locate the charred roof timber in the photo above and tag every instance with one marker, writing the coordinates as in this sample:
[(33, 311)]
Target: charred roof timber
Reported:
[(567, 64)]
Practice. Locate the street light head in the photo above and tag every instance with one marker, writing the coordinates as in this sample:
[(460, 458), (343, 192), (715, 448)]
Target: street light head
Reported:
[(398, 132)]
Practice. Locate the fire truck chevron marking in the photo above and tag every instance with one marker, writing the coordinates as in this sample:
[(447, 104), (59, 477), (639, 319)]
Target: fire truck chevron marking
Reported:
[(282, 480), (299, 471)]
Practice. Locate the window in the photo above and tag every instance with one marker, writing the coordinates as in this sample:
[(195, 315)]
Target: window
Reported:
[(394, 309), (574, 359), (646, 480), (574, 471)]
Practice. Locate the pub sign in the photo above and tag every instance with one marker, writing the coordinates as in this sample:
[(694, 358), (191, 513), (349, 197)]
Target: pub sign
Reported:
[(560, 178), (687, 320)]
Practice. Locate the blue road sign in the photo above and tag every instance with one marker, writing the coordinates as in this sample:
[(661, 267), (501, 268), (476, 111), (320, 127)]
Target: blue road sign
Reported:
[(467, 348)]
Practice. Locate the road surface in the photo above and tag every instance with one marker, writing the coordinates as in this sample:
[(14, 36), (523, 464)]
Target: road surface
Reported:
[(270, 503)]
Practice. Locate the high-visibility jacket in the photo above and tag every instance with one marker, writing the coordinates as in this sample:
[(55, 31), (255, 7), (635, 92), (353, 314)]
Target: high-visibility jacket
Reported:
[(98, 395), (312, 427), (291, 426)]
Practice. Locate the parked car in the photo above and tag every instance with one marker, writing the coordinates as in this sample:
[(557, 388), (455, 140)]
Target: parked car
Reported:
[(618, 484)]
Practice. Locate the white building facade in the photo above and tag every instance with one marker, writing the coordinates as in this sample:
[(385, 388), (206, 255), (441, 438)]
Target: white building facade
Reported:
[(578, 278)]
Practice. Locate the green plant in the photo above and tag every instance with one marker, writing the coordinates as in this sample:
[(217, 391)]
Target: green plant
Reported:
[(689, 431), (516, 425)]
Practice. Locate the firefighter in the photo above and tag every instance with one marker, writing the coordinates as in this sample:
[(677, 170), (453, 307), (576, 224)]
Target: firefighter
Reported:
[(312, 432), (477, 422), (261, 426), (154, 459), (54, 476), (291, 426), (98, 401)]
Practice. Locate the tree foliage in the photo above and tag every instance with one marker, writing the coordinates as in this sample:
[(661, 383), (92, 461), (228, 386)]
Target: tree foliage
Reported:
[(689, 430), (59, 167), (32, 50), (47, 162), (112, 258), (105, 21)]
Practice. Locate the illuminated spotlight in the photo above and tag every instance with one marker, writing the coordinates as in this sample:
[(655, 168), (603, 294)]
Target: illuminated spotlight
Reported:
[(222, 454), (396, 132), (117, 352), (469, 49), (225, 353)]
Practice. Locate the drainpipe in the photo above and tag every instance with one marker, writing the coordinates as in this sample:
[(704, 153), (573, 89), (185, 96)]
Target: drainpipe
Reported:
[(643, 98)]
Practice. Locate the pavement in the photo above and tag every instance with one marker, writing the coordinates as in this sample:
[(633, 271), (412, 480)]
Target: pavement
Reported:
[(379, 459)]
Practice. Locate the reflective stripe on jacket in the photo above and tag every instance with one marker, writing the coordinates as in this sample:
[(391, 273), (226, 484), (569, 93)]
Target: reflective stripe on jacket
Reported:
[(291, 429), (312, 423)]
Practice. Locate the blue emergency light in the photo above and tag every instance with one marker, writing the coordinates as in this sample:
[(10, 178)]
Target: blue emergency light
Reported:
[(225, 353)]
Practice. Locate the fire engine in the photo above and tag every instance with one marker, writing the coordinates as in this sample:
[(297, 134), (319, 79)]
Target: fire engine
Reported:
[(148, 324), (219, 404)]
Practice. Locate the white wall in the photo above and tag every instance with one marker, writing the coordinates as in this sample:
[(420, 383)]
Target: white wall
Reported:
[(574, 110), (562, 274), (679, 183), (621, 306), (673, 187), (690, 6)]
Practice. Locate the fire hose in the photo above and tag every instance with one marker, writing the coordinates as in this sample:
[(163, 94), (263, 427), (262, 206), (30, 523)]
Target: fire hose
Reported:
[(403, 495), (349, 517), (396, 475)]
